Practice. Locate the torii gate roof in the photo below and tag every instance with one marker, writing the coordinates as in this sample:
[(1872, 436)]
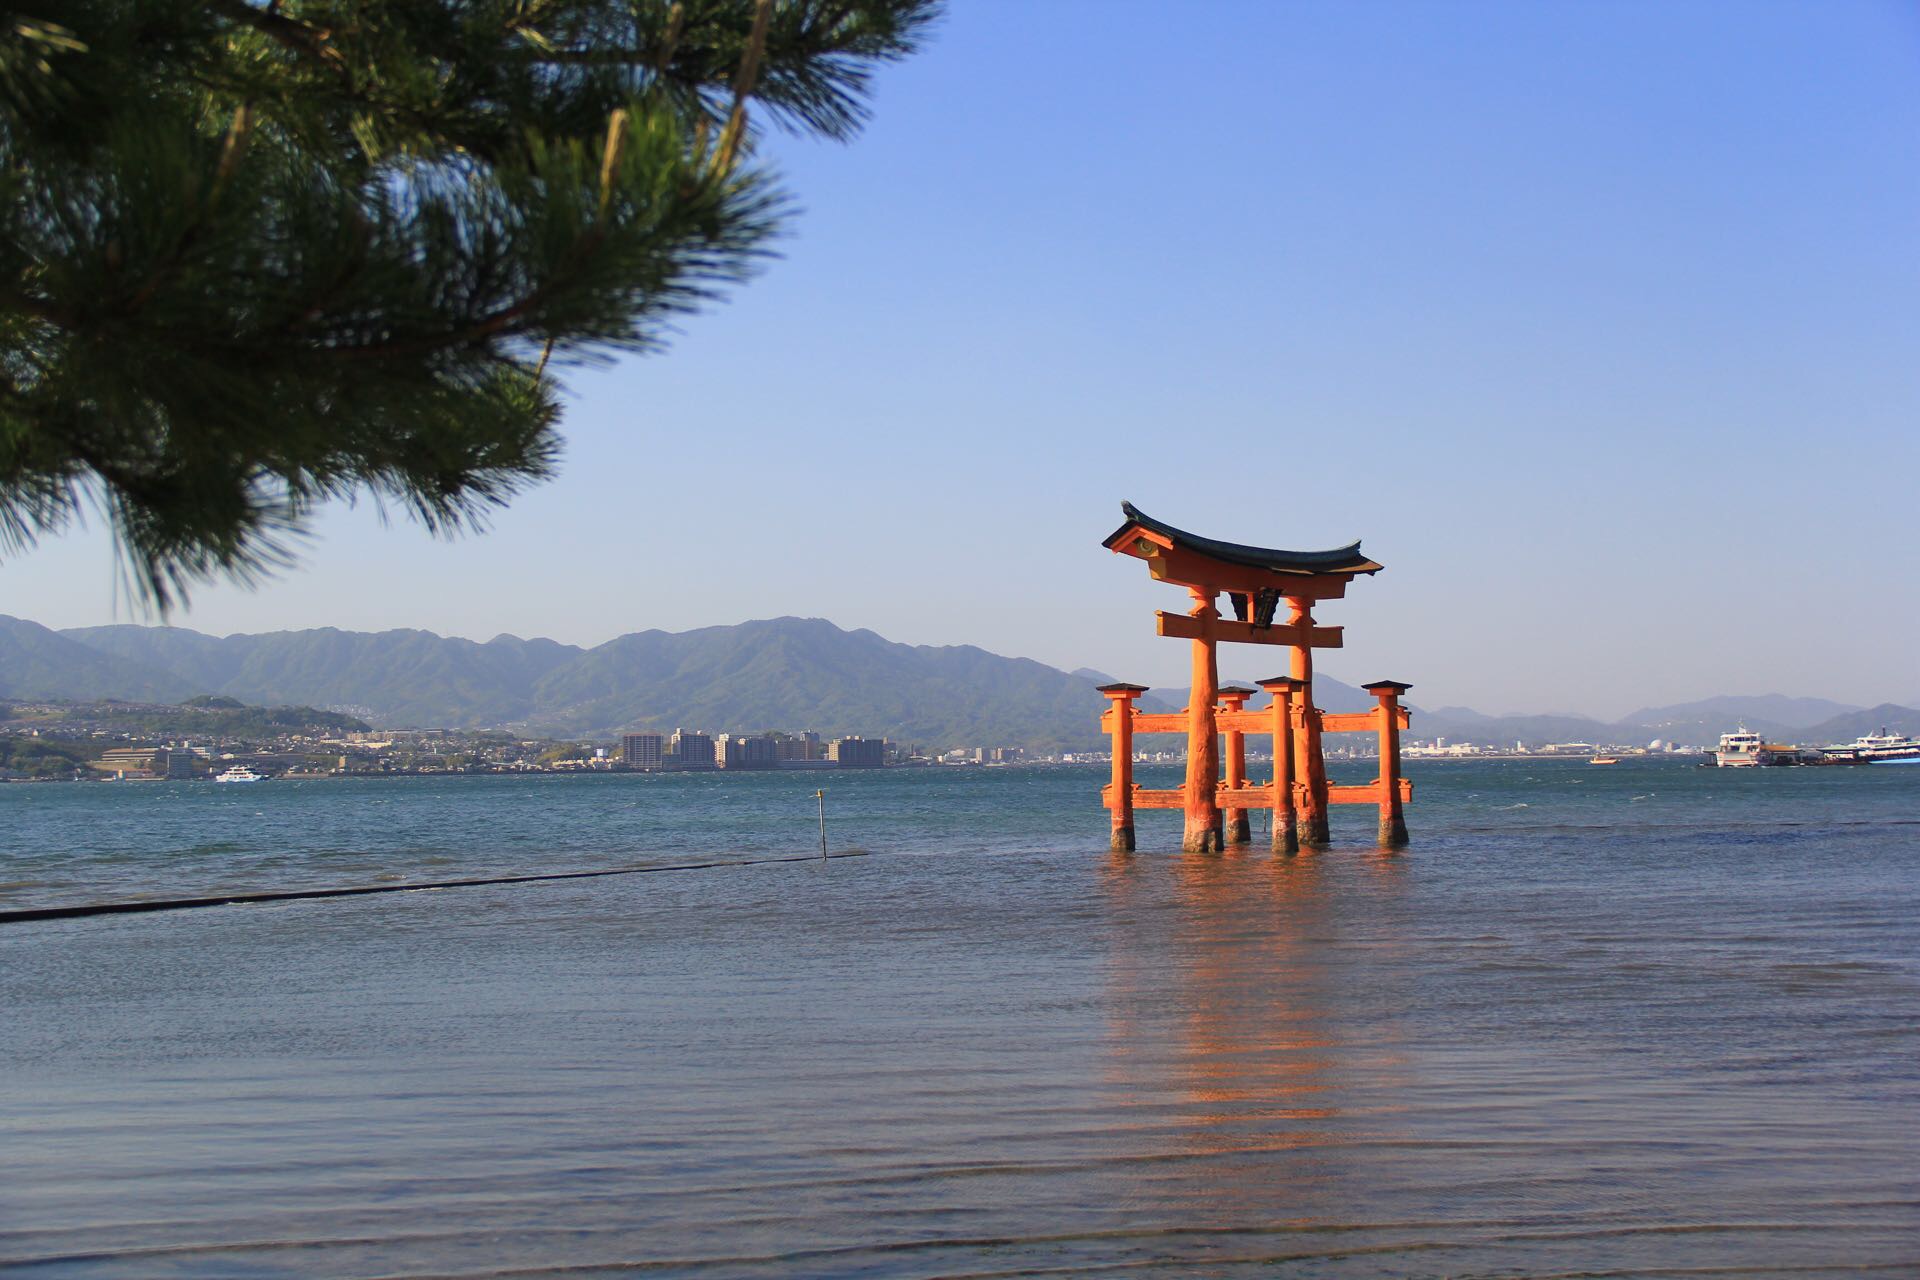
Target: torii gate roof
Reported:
[(1345, 560)]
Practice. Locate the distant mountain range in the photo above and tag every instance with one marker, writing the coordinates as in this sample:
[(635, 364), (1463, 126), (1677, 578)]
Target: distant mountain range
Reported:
[(780, 673), (1774, 708), (784, 673)]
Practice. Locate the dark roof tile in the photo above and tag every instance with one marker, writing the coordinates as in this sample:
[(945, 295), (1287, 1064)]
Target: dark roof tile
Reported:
[(1345, 559)]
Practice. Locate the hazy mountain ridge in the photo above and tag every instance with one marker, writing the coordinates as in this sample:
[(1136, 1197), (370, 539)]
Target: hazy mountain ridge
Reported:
[(1889, 716), (409, 677), (1773, 708), (807, 673), (36, 662), (786, 673)]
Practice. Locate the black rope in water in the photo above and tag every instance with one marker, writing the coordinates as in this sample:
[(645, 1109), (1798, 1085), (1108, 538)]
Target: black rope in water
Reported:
[(355, 891)]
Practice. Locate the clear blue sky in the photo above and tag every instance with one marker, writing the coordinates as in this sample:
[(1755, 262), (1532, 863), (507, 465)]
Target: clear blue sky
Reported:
[(1600, 323)]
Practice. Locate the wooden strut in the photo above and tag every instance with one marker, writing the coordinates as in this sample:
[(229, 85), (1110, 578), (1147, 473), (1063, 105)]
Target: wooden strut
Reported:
[(1256, 796), (1260, 721)]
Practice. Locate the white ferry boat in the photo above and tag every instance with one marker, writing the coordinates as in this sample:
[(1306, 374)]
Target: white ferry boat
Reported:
[(1876, 748), (1744, 749), (240, 773)]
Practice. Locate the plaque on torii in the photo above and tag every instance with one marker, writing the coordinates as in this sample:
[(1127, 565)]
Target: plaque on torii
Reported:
[(1257, 581)]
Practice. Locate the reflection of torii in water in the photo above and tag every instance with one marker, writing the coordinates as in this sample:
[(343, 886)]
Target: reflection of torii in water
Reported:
[(1255, 580), (1236, 1032)]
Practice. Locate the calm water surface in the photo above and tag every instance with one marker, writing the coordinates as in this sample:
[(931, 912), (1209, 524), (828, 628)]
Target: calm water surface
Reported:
[(1645, 1020)]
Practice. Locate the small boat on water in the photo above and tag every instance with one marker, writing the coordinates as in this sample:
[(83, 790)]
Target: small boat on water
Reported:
[(1604, 760), (1876, 748), (240, 773)]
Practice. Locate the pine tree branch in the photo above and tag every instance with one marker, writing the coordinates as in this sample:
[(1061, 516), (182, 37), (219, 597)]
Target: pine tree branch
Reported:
[(288, 32), (416, 206), (743, 84), (230, 151), (39, 308)]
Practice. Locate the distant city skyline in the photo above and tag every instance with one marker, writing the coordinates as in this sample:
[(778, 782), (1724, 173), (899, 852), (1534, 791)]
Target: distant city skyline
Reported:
[(1596, 323)]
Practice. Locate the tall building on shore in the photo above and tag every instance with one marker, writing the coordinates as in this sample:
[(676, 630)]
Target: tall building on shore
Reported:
[(858, 753), (746, 751), (643, 750), (758, 752), (688, 750), (799, 746), (176, 762)]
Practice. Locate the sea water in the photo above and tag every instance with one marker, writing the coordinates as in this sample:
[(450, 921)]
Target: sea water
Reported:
[(1644, 1019)]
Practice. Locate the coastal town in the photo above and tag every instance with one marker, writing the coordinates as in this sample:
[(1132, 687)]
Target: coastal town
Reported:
[(217, 737), (220, 738)]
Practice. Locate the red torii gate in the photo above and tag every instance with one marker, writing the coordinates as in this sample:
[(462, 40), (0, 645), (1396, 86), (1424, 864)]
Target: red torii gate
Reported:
[(1255, 580)]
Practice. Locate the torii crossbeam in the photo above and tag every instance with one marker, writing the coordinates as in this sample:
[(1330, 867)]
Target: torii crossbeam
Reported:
[(1255, 580)]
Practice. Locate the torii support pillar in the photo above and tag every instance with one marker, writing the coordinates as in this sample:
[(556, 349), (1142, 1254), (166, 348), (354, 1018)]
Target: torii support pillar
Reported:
[(1203, 834), (1121, 697), (1310, 765), (1233, 747), (1284, 690), (1393, 819)]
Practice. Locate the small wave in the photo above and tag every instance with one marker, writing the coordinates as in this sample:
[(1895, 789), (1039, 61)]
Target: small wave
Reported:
[(1502, 808), (1831, 971)]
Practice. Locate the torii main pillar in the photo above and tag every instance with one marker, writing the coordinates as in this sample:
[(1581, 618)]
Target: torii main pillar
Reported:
[(1313, 765), (1203, 834)]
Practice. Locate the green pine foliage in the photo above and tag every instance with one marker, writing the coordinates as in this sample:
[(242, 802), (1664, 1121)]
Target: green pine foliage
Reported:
[(260, 255)]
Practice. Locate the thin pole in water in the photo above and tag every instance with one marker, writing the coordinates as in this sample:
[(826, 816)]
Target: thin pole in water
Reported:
[(821, 796)]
